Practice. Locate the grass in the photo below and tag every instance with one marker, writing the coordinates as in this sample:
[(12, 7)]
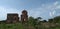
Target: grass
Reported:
[(11, 26), (23, 26)]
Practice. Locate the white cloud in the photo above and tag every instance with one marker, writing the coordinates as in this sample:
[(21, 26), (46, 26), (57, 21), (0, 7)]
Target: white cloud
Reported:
[(46, 8), (4, 11), (54, 7), (58, 7), (36, 12), (52, 13), (56, 3)]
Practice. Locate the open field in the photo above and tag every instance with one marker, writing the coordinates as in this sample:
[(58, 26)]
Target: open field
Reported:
[(25, 26)]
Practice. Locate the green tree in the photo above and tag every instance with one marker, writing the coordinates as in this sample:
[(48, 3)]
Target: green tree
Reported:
[(31, 20), (44, 21), (50, 20), (38, 18), (34, 21), (57, 19)]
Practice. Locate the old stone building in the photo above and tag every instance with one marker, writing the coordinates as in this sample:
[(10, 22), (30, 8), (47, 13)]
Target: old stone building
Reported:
[(24, 16), (12, 18)]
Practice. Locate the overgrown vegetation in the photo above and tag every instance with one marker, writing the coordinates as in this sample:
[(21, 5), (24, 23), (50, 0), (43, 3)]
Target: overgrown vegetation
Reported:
[(34, 23)]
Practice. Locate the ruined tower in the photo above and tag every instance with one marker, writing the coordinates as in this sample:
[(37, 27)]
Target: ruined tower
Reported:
[(12, 18), (24, 16)]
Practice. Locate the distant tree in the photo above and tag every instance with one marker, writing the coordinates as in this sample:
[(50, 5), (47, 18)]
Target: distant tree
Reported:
[(56, 19), (31, 18), (39, 18), (44, 21), (50, 20), (33, 21)]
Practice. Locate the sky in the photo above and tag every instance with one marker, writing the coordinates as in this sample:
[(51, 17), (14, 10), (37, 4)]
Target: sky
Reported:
[(36, 8)]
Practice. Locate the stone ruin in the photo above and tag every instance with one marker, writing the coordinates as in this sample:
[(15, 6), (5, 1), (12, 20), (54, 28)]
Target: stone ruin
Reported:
[(12, 18), (24, 16)]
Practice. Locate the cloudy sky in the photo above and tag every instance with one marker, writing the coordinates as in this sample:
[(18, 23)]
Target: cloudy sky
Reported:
[(36, 8)]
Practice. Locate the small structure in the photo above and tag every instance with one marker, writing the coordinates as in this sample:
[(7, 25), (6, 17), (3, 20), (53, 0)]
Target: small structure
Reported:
[(24, 16), (12, 18)]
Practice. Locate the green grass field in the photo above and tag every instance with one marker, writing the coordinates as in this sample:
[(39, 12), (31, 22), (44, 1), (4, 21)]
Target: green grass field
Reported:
[(23, 26)]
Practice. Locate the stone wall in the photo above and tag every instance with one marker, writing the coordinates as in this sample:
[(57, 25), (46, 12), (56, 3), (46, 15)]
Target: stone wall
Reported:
[(12, 18), (24, 16)]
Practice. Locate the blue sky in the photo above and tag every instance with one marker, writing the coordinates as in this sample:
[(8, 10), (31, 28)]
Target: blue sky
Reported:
[(36, 8)]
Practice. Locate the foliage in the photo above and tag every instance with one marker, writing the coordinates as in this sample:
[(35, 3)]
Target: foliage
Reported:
[(33, 23), (50, 20), (56, 19)]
